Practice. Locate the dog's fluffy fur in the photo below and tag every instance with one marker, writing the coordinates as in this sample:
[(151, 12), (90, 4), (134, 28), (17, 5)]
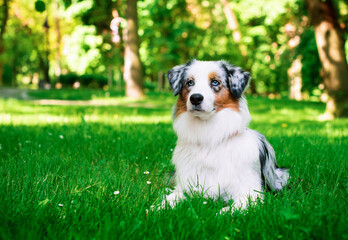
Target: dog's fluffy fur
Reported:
[(216, 153)]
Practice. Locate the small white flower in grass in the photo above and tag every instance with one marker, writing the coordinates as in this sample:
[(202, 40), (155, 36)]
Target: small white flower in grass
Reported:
[(152, 208), (204, 203), (148, 182), (146, 172), (60, 205), (116, 192), (61, 136), (147, 157), (171, 149)]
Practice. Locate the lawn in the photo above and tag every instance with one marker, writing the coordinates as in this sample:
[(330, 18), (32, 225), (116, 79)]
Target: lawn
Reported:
[(90, 164)]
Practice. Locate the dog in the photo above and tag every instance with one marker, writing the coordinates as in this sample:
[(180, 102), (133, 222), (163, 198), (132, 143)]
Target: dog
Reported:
[(216, 153)]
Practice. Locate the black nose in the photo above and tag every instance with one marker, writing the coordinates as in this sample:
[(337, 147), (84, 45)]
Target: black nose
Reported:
[(196, 99)]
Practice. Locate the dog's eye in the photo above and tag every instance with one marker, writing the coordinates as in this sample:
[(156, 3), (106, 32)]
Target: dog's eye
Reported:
[(215, 83), (190, 83)]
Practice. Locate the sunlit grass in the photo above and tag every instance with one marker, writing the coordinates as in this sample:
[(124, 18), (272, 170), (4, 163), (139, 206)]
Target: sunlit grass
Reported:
[(67, 109), (94, 169)]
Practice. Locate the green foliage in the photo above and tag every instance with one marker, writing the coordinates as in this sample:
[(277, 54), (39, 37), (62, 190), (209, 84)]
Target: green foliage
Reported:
[(7, 75), (162, 24), (74, 9), (172, 36), (40, 6), (171, 32), (89, 46), (24, 46), (83, 48), (93, 81), (311, 64), (86, 80), (99, 15), (67, 80), (62, 166), (267, 43)]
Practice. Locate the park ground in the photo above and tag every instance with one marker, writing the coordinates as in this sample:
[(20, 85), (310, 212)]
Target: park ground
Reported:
[(90, 164)]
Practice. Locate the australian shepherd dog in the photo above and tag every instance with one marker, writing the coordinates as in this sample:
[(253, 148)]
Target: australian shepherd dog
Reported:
[(216, 153)]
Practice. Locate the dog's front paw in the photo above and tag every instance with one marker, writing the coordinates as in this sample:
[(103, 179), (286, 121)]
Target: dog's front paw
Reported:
[(164, 204), (171, 200)]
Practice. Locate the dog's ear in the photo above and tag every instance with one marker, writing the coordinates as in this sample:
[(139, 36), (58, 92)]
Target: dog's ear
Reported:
[(237, 79), (176, 77)]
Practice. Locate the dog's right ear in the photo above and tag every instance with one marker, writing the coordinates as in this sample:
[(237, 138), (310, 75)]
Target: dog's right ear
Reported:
[(177, 76)]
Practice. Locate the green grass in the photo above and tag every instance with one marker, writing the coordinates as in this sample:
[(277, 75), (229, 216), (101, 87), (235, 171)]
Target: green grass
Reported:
[(60, 167)]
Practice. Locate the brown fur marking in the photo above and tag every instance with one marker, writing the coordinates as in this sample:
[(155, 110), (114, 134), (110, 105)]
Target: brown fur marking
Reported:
[(213, 75), (224, 99), (181, 103)]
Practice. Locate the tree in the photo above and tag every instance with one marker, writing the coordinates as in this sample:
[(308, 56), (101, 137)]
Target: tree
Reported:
[(233, 24), (330, 43), (4, 15), (133, 74)]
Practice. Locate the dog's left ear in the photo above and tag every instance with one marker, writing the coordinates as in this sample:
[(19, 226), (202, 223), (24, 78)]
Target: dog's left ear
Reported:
[(237, 79)]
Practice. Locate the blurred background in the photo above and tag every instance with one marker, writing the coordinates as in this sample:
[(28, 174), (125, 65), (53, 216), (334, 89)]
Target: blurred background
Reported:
[(130, 45)]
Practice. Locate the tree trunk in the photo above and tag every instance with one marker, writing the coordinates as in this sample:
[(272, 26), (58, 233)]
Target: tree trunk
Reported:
[(110, 75), (46, 65), (2, 32), (133, 74), (232, 21), (330, 43), (295, 79), (58, 69), (233, 25)]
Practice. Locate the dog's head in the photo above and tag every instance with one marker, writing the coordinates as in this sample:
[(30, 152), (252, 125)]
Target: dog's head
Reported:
[(206, 87)]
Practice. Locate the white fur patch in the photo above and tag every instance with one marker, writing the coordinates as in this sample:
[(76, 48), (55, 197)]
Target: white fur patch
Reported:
[(218, 156), (220, 126)]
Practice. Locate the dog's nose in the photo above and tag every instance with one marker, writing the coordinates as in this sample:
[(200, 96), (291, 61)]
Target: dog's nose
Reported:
[(196, 99)]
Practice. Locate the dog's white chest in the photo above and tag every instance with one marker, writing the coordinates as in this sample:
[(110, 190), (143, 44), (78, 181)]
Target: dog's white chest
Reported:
[(218, 169)]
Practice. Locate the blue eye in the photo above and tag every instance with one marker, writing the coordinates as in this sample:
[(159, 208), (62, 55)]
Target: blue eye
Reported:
[(215, 83), (190, 83)]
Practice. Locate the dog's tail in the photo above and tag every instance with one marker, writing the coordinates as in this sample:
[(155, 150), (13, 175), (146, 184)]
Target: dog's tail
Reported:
[(276, 178)]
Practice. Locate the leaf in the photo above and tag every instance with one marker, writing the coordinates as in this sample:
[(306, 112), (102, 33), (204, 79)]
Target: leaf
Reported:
[(40, 6)]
